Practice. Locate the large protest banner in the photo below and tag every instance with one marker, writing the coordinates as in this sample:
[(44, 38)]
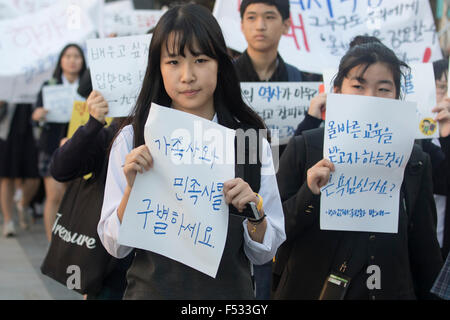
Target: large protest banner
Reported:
[(31, 43), (370, 143), (120, 86), (322, 29), (282, 105), (177, 208), (10, 9)]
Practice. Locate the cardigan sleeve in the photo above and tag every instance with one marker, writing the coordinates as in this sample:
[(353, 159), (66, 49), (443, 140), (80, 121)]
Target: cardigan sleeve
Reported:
[(81, 154)]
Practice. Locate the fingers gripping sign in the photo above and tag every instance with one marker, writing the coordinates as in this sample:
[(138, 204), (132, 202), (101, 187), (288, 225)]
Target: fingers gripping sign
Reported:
[(319, 174), (138, 160), (239, 193), (443, 117), (98, 106)]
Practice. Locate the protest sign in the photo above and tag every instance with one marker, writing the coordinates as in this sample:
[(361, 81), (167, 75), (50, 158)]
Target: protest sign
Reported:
[(80, 116), (177, 208), (321, 30), (117, 68), (367, 140), (419, 86), (58, 100), (132, 22), (282, 105), (112, 11), (31, 43)]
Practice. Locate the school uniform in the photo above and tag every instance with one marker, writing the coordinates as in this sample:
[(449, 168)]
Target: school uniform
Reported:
[(409, 260), (18, 153), (284, 72), (153, 276), (51, 133)]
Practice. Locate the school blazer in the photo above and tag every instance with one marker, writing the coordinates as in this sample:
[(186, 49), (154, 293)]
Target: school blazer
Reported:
[(409, 261)]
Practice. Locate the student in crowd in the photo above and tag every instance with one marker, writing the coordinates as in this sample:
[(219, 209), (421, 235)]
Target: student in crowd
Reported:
[(188, 52), (70, 67), (87, 152), (440, 162), (263, 22), (18, 166), (311, 254)]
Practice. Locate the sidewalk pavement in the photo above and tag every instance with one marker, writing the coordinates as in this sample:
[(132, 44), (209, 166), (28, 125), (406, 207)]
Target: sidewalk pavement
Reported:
[(20, 260)]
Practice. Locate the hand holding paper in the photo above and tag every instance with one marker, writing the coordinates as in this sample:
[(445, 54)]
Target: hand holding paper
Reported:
[(39, 114), (319, 175), (98, 106), (443, 117), (138, 160)]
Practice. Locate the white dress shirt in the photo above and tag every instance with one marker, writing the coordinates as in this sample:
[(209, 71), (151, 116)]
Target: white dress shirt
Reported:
[(257, 253)]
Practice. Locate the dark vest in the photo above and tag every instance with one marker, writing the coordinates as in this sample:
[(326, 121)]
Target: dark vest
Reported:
[(153, 276)]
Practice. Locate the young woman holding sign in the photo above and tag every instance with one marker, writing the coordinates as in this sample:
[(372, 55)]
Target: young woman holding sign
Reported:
[(314, 260), (70, 67), (189, 70)]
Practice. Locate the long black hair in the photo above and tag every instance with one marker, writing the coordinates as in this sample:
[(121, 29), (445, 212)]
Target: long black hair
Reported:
[(57, 74), (194, 27), (367, 51)]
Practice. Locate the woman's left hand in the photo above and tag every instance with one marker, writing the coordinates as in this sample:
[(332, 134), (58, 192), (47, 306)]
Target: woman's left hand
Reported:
[(239, 193), (443, 117)]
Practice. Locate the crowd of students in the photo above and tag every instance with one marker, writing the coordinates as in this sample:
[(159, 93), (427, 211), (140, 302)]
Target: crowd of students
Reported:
[(190, 69)]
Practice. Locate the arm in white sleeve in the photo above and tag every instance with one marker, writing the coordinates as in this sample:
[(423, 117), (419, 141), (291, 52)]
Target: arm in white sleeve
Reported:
[(260, 253), (108, 226)]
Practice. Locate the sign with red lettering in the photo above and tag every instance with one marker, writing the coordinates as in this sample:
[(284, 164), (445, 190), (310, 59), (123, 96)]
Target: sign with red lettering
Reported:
[(321, 30)]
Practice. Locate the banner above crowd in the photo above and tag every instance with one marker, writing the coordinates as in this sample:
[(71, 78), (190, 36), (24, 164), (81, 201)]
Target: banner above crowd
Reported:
[(321, 30), (30, 45)]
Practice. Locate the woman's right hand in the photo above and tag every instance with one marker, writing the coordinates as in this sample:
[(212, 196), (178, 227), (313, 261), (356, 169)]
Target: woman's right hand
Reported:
[(318, 175), (97, 106), (443, 117), (139, 159), (39, 114), (317, 105)]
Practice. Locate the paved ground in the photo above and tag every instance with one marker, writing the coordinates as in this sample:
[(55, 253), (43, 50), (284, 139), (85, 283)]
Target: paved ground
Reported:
[(20, 261)]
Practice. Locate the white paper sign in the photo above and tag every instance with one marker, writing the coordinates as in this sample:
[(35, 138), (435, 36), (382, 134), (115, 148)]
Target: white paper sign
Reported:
[(366, 139), (321, 30), (58, 100), (10, 9), (117, 68), (132, 22), (282, 105), (417, 86), (111, 15), (177, 208)]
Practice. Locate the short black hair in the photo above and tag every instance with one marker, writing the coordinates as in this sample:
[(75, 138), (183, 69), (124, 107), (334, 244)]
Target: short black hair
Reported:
[(281, 5), (367, 51), (440, 67)]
